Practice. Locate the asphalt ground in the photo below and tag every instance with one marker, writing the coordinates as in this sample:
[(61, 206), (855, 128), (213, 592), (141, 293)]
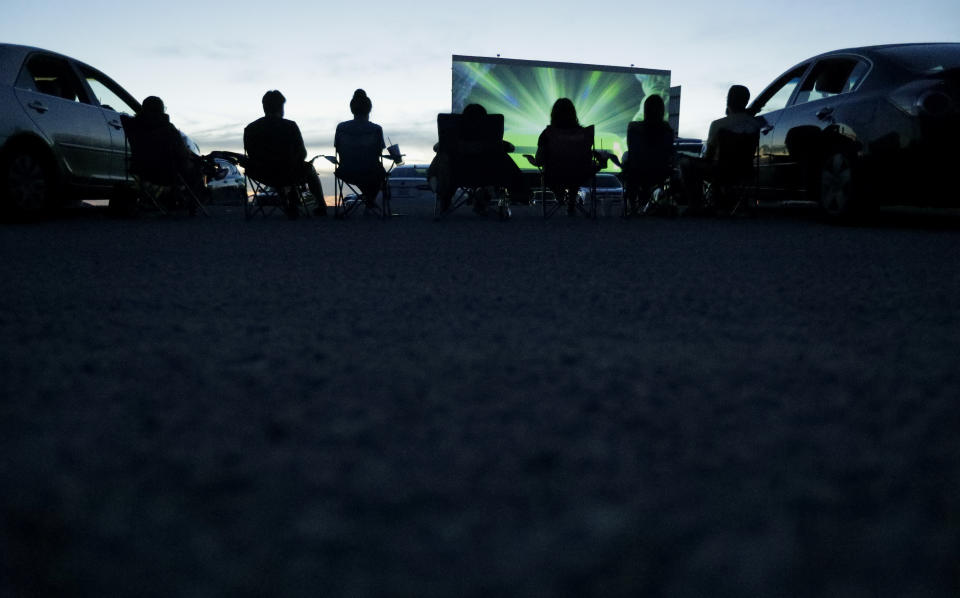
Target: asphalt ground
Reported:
[(656, 407)]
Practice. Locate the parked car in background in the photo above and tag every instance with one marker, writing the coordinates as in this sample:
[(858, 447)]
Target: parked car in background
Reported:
[(409, 181), (689, 146), (609, 193), (860, 127), (227, 180)]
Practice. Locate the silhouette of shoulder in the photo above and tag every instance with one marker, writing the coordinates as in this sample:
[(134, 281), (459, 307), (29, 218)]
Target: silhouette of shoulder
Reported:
[(274, 139), (358, 128), (738, 122)]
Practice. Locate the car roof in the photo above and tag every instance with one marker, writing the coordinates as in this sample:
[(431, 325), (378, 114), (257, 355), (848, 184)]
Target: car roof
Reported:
[(12, 56), (411, 166), (873, 49), (874, 53)]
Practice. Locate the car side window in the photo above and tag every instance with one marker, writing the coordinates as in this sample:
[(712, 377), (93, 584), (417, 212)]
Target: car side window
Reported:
[(105, 92), (830, 77), (858, 74), (52, 76), (778, 94)]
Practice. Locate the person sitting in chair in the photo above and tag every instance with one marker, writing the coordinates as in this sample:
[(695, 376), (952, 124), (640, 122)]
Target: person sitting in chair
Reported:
[(650, 153), (359, 144), (277, 155), (565, 154), (159, 157), (495, 161), (160, 153), (738, 121)]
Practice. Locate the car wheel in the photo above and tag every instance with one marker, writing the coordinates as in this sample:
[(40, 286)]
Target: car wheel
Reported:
[(838, 192), (27, 183)]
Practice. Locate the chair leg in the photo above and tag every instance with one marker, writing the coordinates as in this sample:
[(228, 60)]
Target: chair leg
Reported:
[(382, 209), (195, 204)]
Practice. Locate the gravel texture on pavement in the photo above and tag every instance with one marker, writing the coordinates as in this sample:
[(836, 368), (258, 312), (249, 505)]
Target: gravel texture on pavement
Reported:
[(209, 407)]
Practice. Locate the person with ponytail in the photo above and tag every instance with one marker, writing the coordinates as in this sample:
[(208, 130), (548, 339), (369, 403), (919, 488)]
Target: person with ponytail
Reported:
[(359, 145)]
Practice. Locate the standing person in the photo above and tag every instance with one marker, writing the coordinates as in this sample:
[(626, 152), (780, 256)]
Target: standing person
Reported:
[(564, 154), (359, 144), (277, 154), (650, 153), (693, 171)]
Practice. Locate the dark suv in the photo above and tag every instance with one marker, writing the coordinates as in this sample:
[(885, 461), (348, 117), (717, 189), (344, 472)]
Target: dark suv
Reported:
[(860, 127)]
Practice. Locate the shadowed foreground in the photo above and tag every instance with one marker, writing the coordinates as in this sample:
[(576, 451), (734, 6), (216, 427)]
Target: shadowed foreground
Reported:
[(213, 407)]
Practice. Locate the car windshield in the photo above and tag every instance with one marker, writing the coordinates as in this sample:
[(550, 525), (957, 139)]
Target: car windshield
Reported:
[(409, 172), (607, 180), (928, 59)]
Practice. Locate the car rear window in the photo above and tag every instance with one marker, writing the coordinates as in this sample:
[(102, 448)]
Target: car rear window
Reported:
[(409, 172), (607, 180), (928, 59)]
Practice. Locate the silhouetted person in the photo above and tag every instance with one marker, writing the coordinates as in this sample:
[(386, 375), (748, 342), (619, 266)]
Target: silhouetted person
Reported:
[(564, 154), (650, 152), (472, 153), (158, 153), (694, 171), (359, 144), (275, 148)]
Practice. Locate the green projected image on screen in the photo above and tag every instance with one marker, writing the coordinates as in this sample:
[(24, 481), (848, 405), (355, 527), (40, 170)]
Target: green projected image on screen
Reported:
[(524, 92)]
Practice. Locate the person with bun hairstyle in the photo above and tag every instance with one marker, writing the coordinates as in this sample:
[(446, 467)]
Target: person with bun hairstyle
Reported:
[(359, 145)]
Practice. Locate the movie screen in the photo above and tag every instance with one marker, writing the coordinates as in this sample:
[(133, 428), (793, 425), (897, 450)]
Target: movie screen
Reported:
[(524, 91)]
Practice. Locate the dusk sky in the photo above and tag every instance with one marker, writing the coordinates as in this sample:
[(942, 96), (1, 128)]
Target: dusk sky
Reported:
[(212, 62)]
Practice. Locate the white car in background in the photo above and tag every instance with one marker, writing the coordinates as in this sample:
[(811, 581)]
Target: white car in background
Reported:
[(227, 180), (409, 181)]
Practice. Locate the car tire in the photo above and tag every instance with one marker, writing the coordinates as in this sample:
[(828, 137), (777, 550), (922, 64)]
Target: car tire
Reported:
[(27, 183), (839, 193)]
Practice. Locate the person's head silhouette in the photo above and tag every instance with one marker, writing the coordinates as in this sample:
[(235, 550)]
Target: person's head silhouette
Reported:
[(737, 99), (273, 102), (564, 114), (653, 109), (474, 112), (152, 105), (360, 104)]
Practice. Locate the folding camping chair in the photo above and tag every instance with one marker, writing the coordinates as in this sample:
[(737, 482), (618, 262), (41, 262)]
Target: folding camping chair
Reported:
[(649, 170), (568, 162), (267, 194), (157, 161), (349, 172), (733, 186), (470, 150)]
